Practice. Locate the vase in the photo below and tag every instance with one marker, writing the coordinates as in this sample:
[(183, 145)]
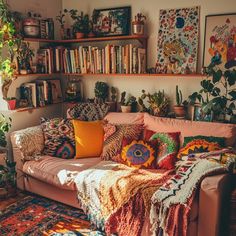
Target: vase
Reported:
[(79, 35), (11, 104), (31, 27), (126, 109), (138, 28)]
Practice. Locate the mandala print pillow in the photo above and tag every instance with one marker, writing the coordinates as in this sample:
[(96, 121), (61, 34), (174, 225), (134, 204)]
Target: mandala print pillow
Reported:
[(59, 140), (113, 137), (139, 154), (200, 144), (168, 147)]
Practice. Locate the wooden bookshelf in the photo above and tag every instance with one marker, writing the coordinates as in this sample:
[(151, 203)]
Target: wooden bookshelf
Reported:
[(36, 74), (35, 108)]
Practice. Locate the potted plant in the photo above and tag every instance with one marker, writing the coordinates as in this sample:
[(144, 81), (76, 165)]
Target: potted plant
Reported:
[(125, 105), (5, 125), (158, 103), (112, 103), (60, 19), (180, 107), (218, 94), (101, 92), (80, 26), (138, 24)]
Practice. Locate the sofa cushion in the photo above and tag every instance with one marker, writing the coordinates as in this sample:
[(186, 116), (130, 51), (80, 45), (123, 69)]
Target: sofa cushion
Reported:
[(191, 128), (59, 140), (124, 118), (88, 138), (58, 172)]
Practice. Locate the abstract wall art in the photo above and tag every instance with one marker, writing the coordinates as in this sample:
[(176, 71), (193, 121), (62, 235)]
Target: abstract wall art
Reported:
[(178, 38)]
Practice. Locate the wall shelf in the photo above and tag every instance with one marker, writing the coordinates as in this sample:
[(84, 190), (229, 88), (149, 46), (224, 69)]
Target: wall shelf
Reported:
[(35, 108)]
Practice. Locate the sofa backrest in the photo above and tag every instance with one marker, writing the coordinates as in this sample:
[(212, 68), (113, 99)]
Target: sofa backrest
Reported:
[(124, 118), (191, 128)]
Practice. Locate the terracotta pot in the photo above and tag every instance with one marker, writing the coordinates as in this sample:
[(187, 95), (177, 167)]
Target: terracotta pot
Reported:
[(126, 109), (79, 35), (138, 28), (91, 35), (180, 111), (11, 104)]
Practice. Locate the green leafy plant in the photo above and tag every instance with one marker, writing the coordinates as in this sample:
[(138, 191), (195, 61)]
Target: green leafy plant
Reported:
[(5, 125), (218, 93), (60, 18), (9, 40), (140, 18), (179, 96), (101, 91), (158, 103), (81, 22), (25, 56)]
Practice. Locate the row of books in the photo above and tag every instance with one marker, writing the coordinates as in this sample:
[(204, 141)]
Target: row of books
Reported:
[(41, 92), (127, 59)]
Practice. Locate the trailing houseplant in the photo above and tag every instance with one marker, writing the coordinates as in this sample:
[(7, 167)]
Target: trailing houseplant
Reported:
[(180, 107), (101, 91), (158, 103), (80, 26), (218, 93), (9, 40)]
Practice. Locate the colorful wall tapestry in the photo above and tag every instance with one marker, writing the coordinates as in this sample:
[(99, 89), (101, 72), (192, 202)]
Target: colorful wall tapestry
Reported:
[(178, 40), (220, 41)]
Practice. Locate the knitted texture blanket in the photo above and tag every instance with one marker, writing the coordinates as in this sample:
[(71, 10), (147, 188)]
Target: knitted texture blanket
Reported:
[(117, 197)]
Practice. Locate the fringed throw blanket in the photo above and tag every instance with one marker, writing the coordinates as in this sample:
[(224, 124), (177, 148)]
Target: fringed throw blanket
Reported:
[(172, 202), (117, 197)]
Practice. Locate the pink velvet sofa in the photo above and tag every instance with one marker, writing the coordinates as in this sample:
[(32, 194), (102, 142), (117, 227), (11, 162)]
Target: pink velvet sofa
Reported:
[(49, 175)]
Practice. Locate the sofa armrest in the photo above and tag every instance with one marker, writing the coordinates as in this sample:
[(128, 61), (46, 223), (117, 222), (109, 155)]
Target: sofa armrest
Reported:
[(213, 200), (27, 145)]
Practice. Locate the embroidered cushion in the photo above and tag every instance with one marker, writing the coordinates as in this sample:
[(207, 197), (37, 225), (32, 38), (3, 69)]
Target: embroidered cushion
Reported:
[(88, 138), (113, 142), (59, 138), (199, 144), (139, 153), (168, 147), (88, 111)]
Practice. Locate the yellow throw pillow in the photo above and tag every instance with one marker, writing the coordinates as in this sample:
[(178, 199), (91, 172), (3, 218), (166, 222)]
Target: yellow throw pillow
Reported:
[(88, 138)]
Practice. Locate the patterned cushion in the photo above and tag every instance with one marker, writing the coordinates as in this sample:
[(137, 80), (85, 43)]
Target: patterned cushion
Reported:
[(30, 141), (139, 153), (168, 146), (200, 144), (113, 142), (59, 138), (88, 111)]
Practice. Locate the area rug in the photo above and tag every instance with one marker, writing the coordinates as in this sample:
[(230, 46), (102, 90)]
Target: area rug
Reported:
[(34, 215)]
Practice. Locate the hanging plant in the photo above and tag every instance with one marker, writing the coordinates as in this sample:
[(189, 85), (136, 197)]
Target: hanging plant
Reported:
[(9, 41)]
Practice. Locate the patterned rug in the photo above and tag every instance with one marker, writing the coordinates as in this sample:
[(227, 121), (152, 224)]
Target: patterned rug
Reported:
[(36, 216)]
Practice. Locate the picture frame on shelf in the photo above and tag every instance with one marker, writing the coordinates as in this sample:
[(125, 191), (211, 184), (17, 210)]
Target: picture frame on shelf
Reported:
[(220, 40), (112, 21), (199, 115)]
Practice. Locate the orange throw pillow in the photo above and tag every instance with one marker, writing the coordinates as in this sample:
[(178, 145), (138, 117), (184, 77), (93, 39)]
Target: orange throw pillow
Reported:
[(88, 138)]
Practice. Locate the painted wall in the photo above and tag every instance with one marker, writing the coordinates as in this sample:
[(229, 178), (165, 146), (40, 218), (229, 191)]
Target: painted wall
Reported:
[(151, 8)]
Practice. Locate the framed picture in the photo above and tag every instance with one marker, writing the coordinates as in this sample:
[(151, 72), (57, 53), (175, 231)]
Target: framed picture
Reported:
[(220, 41), (199, 115), (178, 39), (112, 21)]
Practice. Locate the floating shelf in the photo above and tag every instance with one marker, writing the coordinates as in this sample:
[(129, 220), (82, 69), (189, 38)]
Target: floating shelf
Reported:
[(35, 108), (37, 74), (126, 37)]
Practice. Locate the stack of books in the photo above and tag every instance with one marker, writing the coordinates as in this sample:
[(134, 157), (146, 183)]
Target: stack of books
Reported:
[(41, 92)]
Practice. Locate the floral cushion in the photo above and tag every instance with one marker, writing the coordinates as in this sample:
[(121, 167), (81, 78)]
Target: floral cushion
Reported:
[(139, 153), (200, 144), (114, 135), (59, 138), (168, 147)]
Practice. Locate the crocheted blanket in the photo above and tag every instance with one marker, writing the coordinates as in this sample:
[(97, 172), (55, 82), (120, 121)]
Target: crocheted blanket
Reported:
[(117, 198)]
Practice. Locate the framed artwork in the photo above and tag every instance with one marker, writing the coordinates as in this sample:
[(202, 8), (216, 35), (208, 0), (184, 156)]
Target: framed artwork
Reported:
[(178, 39), (220, 41), (112, 21)]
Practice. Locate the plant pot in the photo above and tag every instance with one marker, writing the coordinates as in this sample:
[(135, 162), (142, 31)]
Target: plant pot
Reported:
[(112, 106), (138, 28), (11, 104), (126, 109), (31, 27), (79, 35), (180, 112), (91, 35)]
